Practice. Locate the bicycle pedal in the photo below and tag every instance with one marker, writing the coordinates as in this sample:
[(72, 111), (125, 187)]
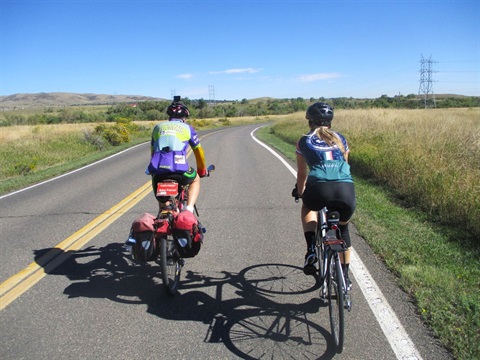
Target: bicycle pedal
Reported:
[(348, 303), (323, 294)]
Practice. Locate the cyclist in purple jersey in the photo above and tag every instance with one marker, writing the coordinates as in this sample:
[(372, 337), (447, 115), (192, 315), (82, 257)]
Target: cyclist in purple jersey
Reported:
[(324, 179), (168, 149)]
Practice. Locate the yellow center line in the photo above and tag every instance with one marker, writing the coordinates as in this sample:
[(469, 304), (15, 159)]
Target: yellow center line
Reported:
[(33, 273)]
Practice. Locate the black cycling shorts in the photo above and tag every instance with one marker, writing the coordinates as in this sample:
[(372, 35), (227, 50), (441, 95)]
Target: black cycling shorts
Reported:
[(183, 179), (334, 195)]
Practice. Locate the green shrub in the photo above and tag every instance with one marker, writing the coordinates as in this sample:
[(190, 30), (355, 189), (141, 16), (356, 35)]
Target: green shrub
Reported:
[(94, 139), (116, 134), (224, 122), (199, 123)]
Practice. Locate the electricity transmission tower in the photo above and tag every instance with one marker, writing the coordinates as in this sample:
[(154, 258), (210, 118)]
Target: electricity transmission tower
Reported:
[(211, 94), (426, 82), (173, 93)]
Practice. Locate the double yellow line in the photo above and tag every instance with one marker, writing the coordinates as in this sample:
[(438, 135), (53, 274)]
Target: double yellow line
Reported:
[(33, 273)]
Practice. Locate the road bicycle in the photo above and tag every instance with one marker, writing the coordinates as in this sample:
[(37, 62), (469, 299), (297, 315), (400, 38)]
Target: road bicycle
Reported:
[(171, 255), (333, 287)]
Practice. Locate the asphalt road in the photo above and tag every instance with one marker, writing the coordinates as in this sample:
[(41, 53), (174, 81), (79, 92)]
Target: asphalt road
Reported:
[(68, 290)]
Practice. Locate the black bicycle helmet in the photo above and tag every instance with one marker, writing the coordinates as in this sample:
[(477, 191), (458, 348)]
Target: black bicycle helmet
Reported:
[(320, 114), (178, 110)]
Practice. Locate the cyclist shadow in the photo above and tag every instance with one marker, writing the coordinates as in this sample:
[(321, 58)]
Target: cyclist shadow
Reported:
[(248, 321), (101, 273), (240, 319)]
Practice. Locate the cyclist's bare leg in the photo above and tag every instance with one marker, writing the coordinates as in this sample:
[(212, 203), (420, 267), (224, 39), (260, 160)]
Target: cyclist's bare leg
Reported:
[(345, 257), (309, 219), (193, 191)]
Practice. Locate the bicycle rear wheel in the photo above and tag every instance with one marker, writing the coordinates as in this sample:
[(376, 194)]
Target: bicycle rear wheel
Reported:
[(336, 301), (171, 265)]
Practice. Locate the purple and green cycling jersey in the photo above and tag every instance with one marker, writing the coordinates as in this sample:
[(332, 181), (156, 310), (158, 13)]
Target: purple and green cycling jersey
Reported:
[(169, 145)]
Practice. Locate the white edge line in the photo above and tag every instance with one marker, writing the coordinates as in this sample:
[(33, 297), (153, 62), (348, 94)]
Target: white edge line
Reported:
[(292, 170), (395, 333), (400, 342), (69, 173)]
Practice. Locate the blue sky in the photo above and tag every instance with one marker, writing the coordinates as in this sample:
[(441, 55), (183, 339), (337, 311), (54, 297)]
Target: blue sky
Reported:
[(235, 49)]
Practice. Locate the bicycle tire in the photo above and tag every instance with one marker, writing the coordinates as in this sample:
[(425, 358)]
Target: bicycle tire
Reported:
[(170, 264), (336, 301)]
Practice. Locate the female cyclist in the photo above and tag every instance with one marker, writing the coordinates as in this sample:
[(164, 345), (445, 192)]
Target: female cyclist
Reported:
[(324, 179)]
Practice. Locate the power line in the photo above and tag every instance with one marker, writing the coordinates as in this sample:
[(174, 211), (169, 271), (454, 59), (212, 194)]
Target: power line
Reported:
[(426, 81), (211, 94)]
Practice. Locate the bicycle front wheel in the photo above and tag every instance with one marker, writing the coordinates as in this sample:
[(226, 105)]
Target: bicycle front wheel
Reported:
[(336, 301), (171, 265)]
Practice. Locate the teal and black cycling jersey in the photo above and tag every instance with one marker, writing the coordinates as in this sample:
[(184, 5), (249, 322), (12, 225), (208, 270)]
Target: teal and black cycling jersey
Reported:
[(326, 162)]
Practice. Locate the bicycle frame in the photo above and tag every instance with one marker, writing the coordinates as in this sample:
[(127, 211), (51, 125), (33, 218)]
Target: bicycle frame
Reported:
[(328, 243)]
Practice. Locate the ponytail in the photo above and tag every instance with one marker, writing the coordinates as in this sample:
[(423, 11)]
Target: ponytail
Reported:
[(330, 137)]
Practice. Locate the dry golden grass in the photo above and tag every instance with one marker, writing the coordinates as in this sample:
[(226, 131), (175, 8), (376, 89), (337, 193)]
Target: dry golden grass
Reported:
[(39, 133), (43, 133)]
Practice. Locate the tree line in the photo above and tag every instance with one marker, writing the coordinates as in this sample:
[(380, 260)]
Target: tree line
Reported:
[(203, 109)]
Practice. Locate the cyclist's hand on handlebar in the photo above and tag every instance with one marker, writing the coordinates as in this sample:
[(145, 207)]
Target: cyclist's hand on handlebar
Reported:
[(205, 172), (295, 193), (202, 172)]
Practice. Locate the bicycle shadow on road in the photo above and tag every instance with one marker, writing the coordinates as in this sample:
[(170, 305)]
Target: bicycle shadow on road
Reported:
[(102, 273), (254, 313), (246, 314)]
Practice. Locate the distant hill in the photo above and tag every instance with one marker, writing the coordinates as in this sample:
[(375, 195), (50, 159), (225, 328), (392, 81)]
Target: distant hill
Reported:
[(66, 99), (55, 99)]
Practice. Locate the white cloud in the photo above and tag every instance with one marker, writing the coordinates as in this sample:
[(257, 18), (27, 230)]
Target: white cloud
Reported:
[(318, 77), (237, 71), (184, 76)]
